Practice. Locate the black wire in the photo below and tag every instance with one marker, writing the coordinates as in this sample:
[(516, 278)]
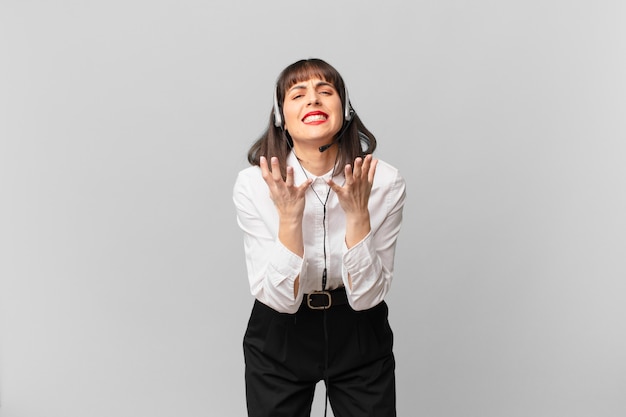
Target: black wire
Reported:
[(324, 281), (324, 272), (326, 378)]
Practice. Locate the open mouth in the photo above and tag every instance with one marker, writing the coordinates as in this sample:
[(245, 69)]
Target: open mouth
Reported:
[(315, 117)]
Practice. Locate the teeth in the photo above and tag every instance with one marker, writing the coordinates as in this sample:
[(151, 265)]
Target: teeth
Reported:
[(314, 118)]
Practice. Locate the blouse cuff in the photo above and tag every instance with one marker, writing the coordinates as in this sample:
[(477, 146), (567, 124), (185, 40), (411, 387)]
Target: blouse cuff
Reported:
[(360, 259), (284, 264)]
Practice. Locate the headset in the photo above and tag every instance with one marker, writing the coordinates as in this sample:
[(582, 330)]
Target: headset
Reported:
[(348, 113)]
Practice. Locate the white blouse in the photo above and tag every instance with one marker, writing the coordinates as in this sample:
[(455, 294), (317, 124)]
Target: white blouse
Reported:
[(272, 268)]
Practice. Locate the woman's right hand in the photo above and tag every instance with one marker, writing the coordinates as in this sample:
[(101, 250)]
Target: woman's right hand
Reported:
[(287, 197), (289, 201)]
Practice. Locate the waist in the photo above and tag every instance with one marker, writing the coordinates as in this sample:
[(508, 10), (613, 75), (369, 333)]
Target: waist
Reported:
[(323, 300)]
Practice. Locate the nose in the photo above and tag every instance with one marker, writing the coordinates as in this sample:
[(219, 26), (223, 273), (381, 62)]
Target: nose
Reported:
[(313, 98)]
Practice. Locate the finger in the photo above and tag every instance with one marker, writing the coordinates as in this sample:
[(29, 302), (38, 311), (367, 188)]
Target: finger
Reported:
[(358, 165), (289, 179), (302, 188), (367, 161), (333, 185), (347, 172), (372, 171), (265, 172), (276, 169)]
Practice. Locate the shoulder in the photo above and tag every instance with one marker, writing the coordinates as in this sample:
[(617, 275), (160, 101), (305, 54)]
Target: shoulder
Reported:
[(248, 180), (389, 188), (387, 175), (251, 174), (386, 166), (388, 193)]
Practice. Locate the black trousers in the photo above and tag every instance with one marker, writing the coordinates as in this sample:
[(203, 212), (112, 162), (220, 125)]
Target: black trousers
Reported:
[(286, 355)]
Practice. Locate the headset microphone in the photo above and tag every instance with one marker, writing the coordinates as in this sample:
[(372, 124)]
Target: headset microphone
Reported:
[(325, 147), (343, 130)]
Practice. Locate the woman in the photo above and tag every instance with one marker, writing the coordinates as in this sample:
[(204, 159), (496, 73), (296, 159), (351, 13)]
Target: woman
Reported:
[(320, 218)]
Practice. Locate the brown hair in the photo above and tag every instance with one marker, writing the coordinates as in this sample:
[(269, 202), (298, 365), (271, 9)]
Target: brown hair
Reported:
[(275, 141)]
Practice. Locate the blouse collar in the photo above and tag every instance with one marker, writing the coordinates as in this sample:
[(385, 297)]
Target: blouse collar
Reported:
[(301, 174)]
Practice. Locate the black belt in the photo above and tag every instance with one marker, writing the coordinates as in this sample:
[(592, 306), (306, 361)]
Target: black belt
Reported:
[(322, 300)]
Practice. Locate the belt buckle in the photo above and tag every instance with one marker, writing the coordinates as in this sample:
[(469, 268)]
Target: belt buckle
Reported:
[(323, 307)]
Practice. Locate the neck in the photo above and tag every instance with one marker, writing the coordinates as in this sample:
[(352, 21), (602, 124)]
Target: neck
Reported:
[(316, 162)]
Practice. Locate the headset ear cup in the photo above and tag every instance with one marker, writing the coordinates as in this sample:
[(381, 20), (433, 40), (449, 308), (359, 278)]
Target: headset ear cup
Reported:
[(348, 110), (349, 114), (278, 119)]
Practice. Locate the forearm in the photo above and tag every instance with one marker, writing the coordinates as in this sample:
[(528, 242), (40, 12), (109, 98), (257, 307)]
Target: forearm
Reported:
[(357, 227), (290, 235)]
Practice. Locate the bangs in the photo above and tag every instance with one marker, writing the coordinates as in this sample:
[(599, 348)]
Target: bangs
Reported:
[(305, 70)]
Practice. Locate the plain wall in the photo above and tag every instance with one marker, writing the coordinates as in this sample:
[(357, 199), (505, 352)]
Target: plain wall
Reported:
[(123, 124)]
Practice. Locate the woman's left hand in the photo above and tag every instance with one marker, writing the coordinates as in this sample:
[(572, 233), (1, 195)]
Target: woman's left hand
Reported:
[(354, 197), (355, 193)]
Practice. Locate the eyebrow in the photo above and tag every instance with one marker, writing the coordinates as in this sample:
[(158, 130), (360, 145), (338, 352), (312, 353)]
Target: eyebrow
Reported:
[(319, 84)]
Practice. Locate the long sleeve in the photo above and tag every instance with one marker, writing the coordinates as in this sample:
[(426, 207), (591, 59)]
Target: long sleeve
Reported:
[(272, 268), (369, 265)]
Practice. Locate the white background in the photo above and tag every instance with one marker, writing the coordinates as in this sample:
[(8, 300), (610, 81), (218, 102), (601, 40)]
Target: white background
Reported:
[(123, 125)]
